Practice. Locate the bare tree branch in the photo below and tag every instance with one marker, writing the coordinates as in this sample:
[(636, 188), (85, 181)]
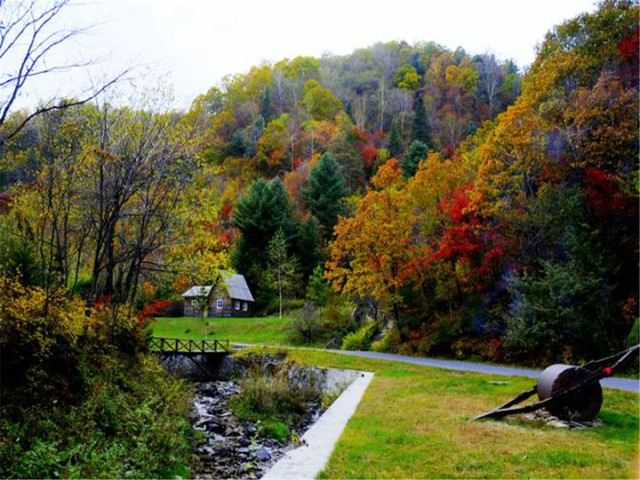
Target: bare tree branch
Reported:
[(28, 37)]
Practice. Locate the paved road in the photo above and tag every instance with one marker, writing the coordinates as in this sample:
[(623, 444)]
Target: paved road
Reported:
[(626, 384)]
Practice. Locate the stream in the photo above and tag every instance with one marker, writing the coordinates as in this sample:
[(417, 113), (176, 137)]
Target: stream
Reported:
[(231, 448)]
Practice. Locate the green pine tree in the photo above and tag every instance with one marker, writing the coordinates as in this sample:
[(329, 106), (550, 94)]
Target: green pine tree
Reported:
[(417, 151), (260, 213), (266, 108), (309, 246), (237, 146), (395, 145), (420, 128), (318, 290), (324, 192)]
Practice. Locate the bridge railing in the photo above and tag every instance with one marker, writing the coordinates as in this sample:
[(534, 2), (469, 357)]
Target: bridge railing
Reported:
[(188, 345)]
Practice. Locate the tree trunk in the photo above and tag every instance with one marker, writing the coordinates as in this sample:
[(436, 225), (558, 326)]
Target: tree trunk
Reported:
[(280, 294)]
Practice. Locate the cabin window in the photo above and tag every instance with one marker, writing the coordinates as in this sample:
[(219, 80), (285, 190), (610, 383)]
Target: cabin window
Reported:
[(194, 303), (236, 304), (219, 304), (244, 306)]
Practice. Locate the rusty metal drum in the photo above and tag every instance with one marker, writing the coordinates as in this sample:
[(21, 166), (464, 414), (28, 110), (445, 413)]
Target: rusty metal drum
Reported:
[(581, 405)]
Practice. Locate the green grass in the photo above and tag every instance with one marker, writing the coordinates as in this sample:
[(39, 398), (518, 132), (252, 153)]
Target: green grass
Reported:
[(124, 425), (415, 422), (265, 330)]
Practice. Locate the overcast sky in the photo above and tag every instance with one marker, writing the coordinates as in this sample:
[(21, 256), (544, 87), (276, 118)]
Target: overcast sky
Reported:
[(192, 44)]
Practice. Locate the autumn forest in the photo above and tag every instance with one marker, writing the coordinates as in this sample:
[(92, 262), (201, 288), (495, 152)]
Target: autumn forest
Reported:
[(472, 207)]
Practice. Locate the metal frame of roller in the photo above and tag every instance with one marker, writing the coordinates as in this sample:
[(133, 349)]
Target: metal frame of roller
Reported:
[(567, 391)]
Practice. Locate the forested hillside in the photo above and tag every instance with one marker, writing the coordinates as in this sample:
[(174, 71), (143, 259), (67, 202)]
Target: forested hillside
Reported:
[(479, 211), (524, 243)]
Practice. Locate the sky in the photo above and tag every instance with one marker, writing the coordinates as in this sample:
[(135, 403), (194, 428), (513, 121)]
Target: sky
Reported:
[(190, 45)]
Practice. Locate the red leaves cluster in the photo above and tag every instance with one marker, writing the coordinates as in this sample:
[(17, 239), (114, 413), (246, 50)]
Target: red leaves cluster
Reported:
[(628, 47), (605, 197), (368, 146), (151, 309), (459, 239), (225, 211), (296, 162), (5, 202), (225, 238), (369, 154), (101, 302), (467, 240)]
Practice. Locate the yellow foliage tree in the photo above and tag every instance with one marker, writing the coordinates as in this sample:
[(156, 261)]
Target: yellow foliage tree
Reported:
[(371, 247)]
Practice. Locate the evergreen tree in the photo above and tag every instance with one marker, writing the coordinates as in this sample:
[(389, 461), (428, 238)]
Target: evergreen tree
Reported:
[(309, 246), (395, 145), (417, 151), (260, 213), (344, 151), (318, 289), (266, 109), (324, 191), (420, 128), (237, 147)]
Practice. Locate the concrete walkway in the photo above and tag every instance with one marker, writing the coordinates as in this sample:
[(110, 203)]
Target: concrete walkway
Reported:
[(626, 384), (307, 461)]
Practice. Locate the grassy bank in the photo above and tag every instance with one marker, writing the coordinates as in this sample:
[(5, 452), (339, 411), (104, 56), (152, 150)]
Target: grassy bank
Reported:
[(131, 422), (264, 330), (414, 422)]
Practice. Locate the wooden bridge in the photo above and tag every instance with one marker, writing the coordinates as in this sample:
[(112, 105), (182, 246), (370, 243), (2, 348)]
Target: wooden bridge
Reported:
[(176, 354), (188, 346)]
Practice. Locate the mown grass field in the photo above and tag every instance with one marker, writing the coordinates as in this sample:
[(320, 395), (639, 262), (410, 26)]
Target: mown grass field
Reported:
[(268, 330), (260, 330), (414, 422)]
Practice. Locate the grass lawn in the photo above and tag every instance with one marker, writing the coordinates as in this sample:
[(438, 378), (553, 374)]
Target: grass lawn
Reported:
[(414, 422), (265, 330)]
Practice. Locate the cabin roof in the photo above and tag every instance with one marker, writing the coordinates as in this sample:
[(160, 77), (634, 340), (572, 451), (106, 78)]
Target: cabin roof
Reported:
[(237, 288), (197, 291)]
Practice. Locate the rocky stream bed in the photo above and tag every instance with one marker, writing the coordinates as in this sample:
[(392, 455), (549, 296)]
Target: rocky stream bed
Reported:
[(231, 448)]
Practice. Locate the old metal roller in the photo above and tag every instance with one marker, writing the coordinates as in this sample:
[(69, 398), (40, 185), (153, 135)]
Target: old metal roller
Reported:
[(581, 405)]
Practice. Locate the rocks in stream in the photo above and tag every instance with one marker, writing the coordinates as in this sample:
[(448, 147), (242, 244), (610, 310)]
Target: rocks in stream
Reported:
[(230, 448), (262, 454)]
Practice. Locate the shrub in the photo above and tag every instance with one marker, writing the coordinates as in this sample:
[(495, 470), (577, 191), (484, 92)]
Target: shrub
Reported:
[(262, 394), (361, 338), (318, 290), (269, 397), (123, 426), (70, 404), (339, 320), (388, 342), (306, 326), (550, 311), (295, 303), (39, 338), (174, 309)]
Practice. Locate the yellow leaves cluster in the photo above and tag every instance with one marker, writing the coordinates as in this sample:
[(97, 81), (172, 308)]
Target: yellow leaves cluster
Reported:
[(435, 179), (200, 254), (463, 75), (371, 246), (33, 317), (393, 225)]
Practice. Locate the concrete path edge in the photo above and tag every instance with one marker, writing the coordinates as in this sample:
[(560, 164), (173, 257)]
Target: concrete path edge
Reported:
[(307, 461)]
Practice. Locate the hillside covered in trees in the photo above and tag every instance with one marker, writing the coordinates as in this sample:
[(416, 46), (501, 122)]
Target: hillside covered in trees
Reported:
[(480, 210)]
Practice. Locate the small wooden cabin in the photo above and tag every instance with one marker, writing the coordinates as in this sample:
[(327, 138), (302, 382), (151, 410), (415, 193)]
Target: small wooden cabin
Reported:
[(232, 300)]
